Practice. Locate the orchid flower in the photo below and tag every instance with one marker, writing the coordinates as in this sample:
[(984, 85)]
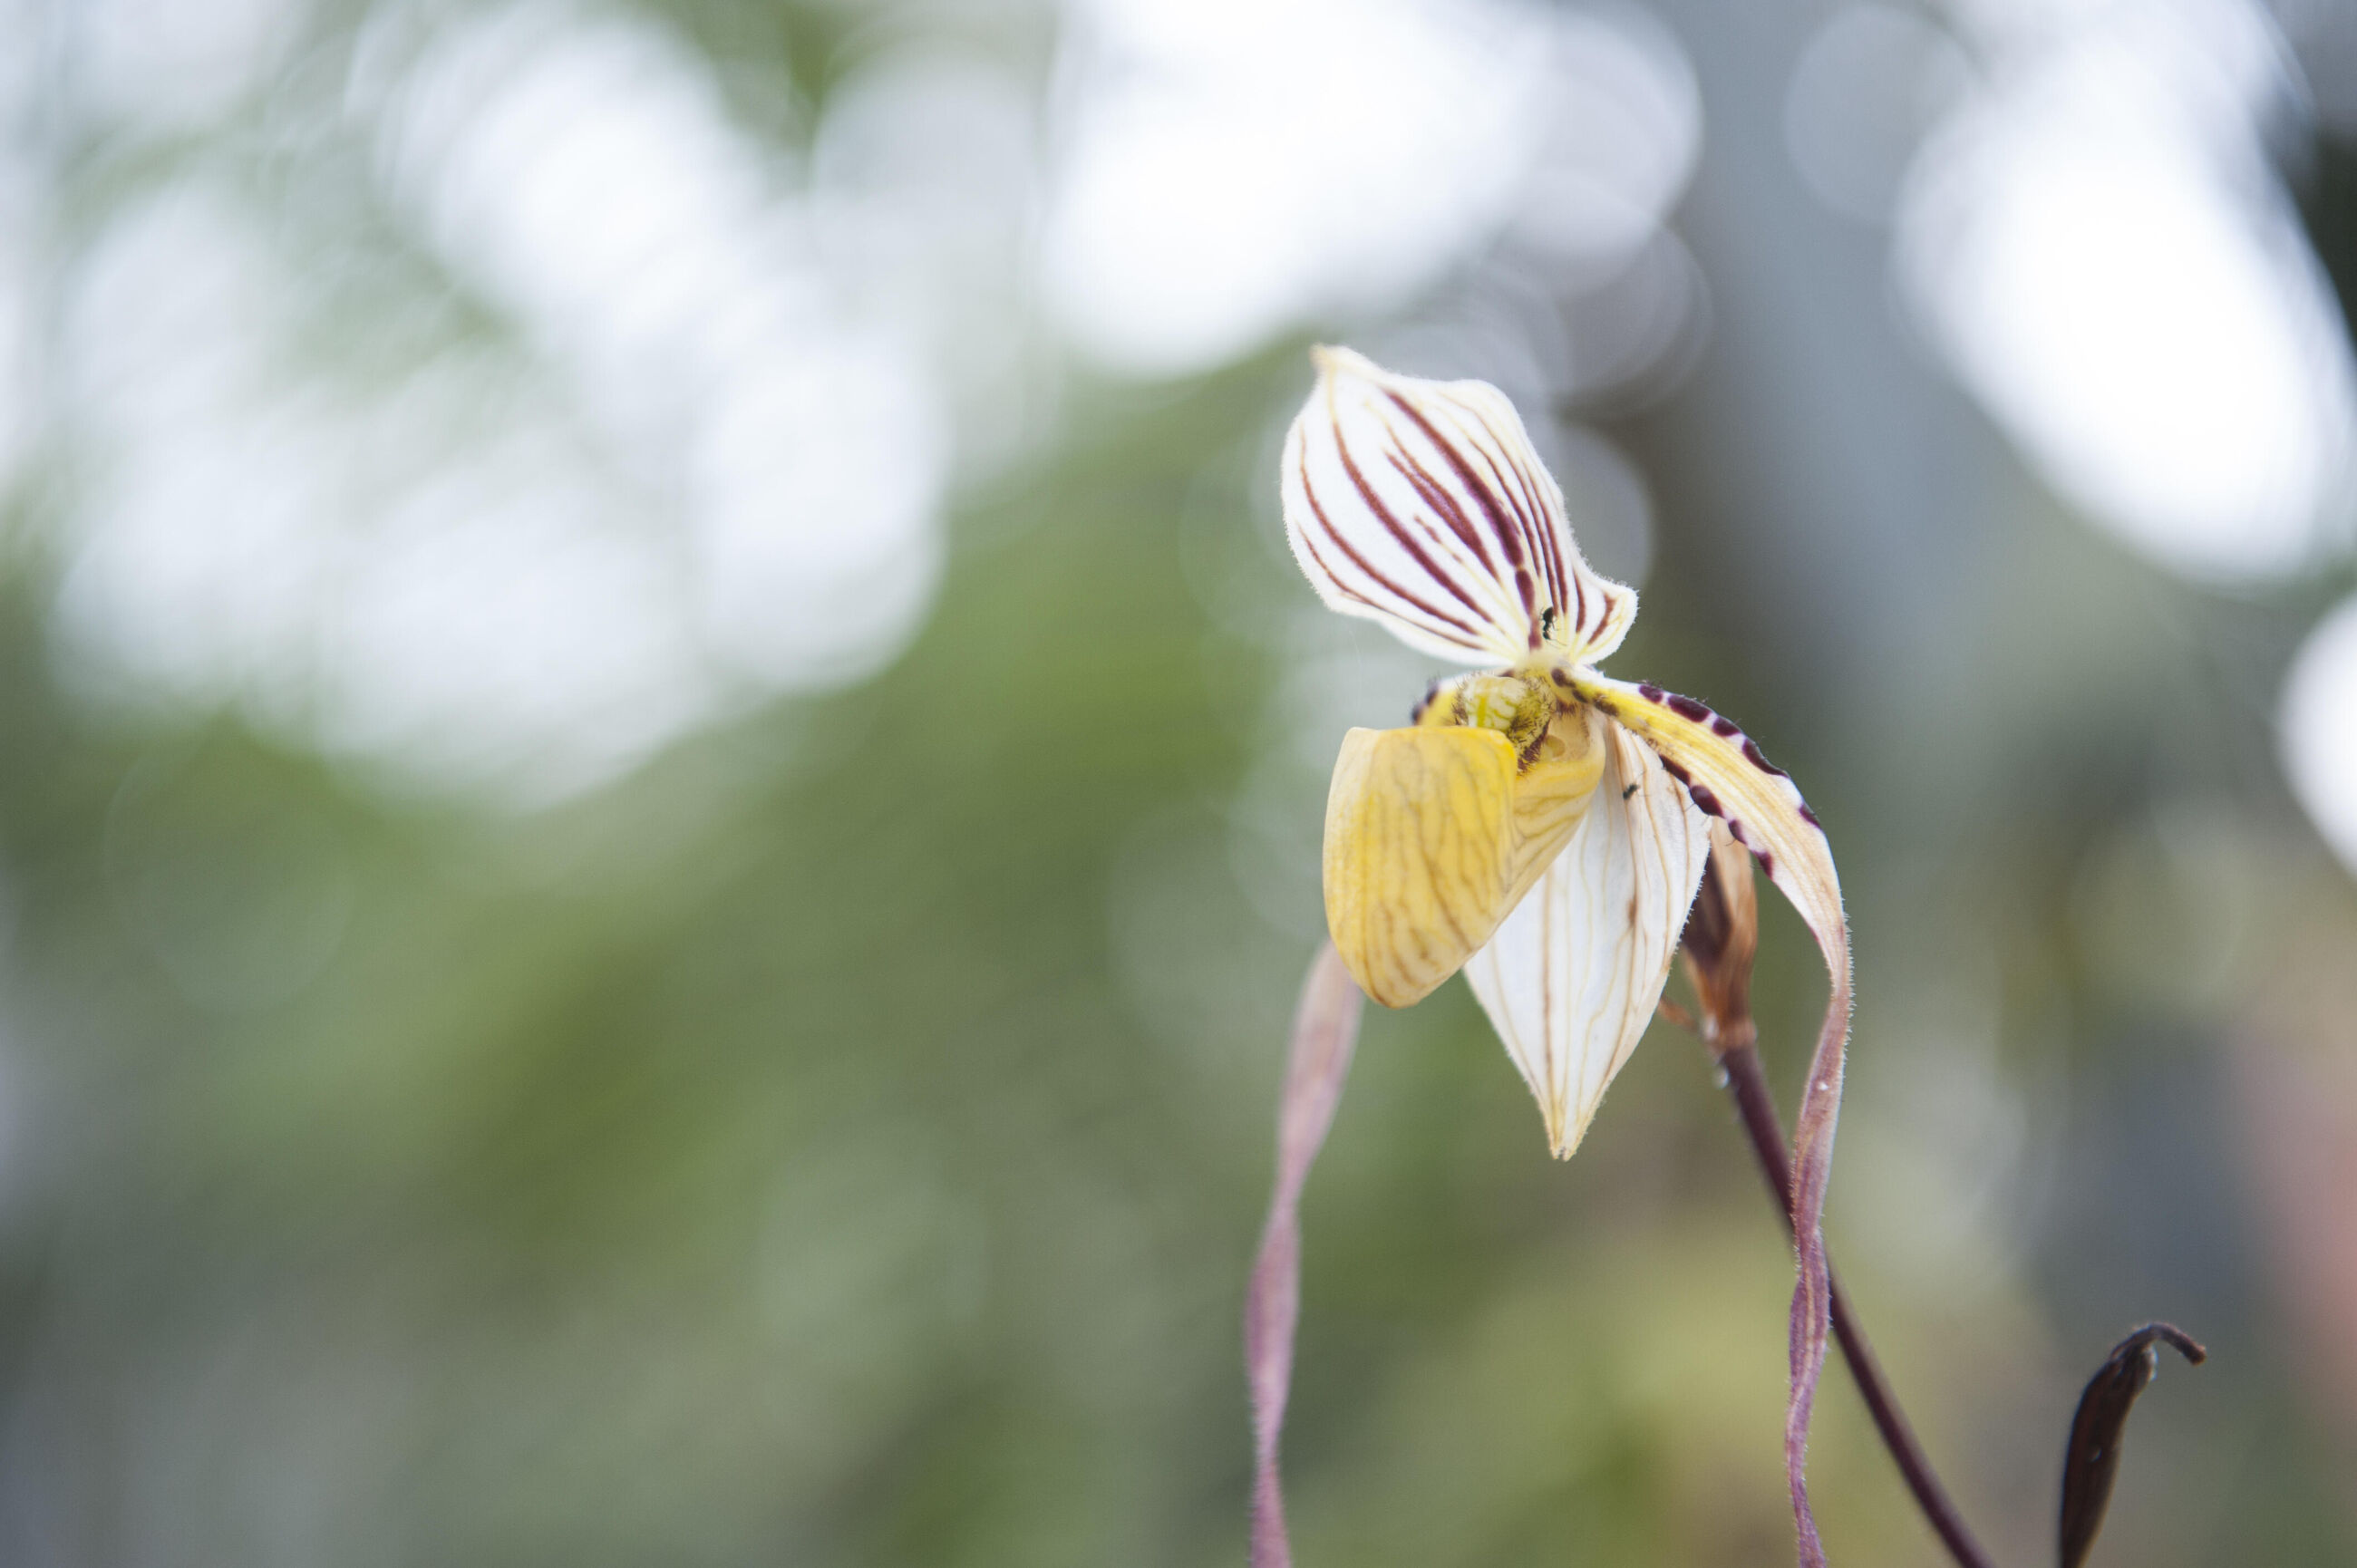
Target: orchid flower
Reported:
[(1538, 824)]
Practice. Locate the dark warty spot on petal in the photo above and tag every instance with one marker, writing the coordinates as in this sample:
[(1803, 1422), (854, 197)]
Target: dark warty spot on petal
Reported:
[(1562, 677), (1722, 727), (1687, 708), (1810, 818), (1702, 797), (1676, 771), (1767, 862), (1651, 694), (1751, 754)]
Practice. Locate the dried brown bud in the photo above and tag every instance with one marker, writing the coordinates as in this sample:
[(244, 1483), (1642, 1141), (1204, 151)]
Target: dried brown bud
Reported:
[(1721, 939)]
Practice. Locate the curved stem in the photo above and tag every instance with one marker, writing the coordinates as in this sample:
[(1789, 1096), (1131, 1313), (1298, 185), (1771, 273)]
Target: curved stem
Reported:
[(1749, 1085), (1325, 1033)]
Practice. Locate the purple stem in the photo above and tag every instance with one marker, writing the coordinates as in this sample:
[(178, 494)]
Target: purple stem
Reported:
[(1325, 1031), (1749, 1085)]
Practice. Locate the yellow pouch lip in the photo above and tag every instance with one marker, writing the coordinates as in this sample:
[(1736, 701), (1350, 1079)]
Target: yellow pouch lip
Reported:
[(1433, 834)]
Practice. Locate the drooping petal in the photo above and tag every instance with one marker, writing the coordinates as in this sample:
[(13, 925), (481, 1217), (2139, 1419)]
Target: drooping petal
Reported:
[(1422, 505), (1432, 834), (1726, 775), (1728, 778), (1571, 978)]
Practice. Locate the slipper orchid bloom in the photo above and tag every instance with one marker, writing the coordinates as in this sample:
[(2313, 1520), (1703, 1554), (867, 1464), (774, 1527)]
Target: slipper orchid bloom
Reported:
[(1539, 824)]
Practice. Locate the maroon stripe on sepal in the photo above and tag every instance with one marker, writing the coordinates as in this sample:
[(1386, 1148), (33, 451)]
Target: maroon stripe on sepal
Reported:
[(1534, 497), (1335, 537), (1508, 535), (1392, 525), (1435, 496)]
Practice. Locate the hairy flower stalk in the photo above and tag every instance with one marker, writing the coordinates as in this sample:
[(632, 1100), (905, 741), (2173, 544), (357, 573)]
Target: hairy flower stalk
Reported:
[(1325, 1032), (1721, 937), (1538, 824)]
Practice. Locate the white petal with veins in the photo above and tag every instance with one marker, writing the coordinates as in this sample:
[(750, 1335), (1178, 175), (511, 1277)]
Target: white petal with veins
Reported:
[(1571, 978)]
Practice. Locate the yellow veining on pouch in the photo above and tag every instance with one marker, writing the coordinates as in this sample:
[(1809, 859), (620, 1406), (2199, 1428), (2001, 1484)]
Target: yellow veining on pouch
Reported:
[(1435, 832)]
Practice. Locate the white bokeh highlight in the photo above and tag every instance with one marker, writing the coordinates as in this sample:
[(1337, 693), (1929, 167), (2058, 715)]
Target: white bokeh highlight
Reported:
[(699, 469), (1228, 170), (162, 67), (2096, 242), (586, 174), (1866, 87), (2317, 725), (448, 595)]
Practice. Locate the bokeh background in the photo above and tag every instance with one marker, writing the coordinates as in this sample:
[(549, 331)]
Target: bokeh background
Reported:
[(660, 769)]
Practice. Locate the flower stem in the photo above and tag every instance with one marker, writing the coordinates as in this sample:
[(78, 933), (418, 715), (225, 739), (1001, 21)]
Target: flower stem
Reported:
[(1325, 1033), (1747, 1084)]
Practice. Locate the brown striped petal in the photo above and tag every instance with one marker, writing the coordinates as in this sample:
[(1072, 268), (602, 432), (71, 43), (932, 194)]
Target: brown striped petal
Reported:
[(1726, 776), (1422, 505), (1571, 977)]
